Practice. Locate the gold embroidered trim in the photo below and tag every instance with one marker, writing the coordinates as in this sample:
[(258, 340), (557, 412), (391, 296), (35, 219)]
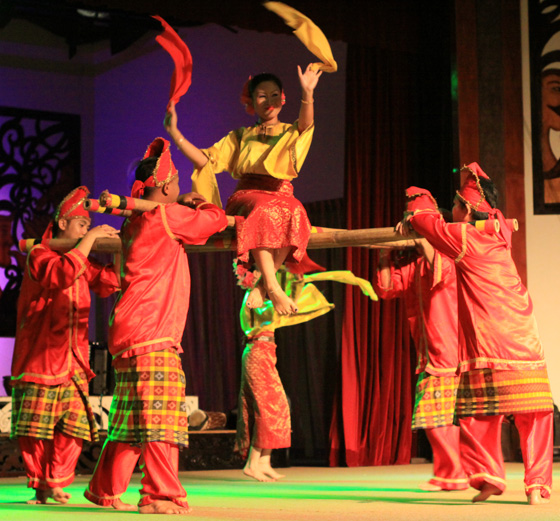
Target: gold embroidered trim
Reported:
[(478, 187), (37, 375), (438, 268), (142, 344), (501, 360), (166, 224), (464, 243), (539, 485), (418, 194), (293, 157), (78, 257), (486, 475)]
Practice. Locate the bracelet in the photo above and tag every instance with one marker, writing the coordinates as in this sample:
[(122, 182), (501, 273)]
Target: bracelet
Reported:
[(307, 102)]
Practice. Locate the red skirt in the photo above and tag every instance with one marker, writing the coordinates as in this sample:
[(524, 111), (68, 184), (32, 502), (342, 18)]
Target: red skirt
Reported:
[(274, 218), (264, 413)]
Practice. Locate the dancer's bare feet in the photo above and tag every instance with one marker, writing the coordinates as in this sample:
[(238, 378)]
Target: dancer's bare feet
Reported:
[(56, 493), (257, 474), (161, 506), (120, 505), (270, 472), (486, 491), (39, 499), (256, 296), (283, 304), (535, 498), (429, 487)]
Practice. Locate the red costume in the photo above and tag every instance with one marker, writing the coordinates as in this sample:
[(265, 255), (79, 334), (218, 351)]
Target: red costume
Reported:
[(51, 415), (502, 366), (430, 298), (146, 328)]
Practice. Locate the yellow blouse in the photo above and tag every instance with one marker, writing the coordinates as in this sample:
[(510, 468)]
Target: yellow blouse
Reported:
[(278, 151)]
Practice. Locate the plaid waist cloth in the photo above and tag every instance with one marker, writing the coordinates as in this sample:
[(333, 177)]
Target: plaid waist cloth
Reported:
[(149, 399), (492, 391), (435, 401), (38, 409)]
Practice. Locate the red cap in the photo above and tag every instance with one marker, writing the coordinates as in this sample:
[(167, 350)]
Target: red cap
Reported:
[(71, 207), (164, 170), (419, 199), (472, 194)]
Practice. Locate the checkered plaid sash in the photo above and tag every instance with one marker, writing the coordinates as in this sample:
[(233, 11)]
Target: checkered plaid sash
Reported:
[(492, 391), (38, 409), (435, 401), (149, 399)]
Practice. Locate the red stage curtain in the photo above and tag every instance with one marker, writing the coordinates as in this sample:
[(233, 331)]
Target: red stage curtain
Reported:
[(372, 412)]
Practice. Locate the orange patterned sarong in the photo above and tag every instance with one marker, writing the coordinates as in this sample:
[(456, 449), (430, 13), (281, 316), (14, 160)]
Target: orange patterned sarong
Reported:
[(263, 413), (274, 218), (492, 391)]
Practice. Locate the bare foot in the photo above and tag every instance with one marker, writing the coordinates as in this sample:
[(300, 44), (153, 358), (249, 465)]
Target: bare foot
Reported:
[(59, 495), (42, 496), (535, 498), (283, 304), (119, 505), (256, 297), (429, 487), (270, 472), (256, 474), (164, 507), (486, 491), (39, 499)]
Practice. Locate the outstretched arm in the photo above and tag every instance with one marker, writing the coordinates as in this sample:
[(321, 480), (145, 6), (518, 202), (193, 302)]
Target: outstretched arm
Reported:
[(308, 81), (99, 232), (194, 154)]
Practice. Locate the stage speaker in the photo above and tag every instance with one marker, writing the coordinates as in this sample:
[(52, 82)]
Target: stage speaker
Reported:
[(100, 361)]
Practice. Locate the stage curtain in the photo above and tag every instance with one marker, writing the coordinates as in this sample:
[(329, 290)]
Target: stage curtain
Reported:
[(308, 354), (373, 405), (213, 340)]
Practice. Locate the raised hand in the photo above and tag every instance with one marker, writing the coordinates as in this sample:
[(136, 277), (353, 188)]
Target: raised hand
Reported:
[(308, 79)]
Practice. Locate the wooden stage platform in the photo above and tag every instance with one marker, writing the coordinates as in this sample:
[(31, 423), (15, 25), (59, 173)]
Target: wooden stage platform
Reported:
[(306, 494)]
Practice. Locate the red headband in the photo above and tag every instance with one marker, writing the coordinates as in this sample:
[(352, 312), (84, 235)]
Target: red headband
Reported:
[(71, 207), (164, 170)]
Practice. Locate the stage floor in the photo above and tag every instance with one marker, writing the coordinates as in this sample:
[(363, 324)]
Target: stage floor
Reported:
[(306, 494)]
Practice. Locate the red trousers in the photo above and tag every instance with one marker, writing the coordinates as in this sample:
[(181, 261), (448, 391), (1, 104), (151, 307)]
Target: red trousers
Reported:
[(159, 462), (50, 463), (481, 450), (448, 469)]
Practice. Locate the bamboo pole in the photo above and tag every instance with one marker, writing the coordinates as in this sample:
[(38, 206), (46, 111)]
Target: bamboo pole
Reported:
[(93, 205), (122, 202), (224, 241)]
